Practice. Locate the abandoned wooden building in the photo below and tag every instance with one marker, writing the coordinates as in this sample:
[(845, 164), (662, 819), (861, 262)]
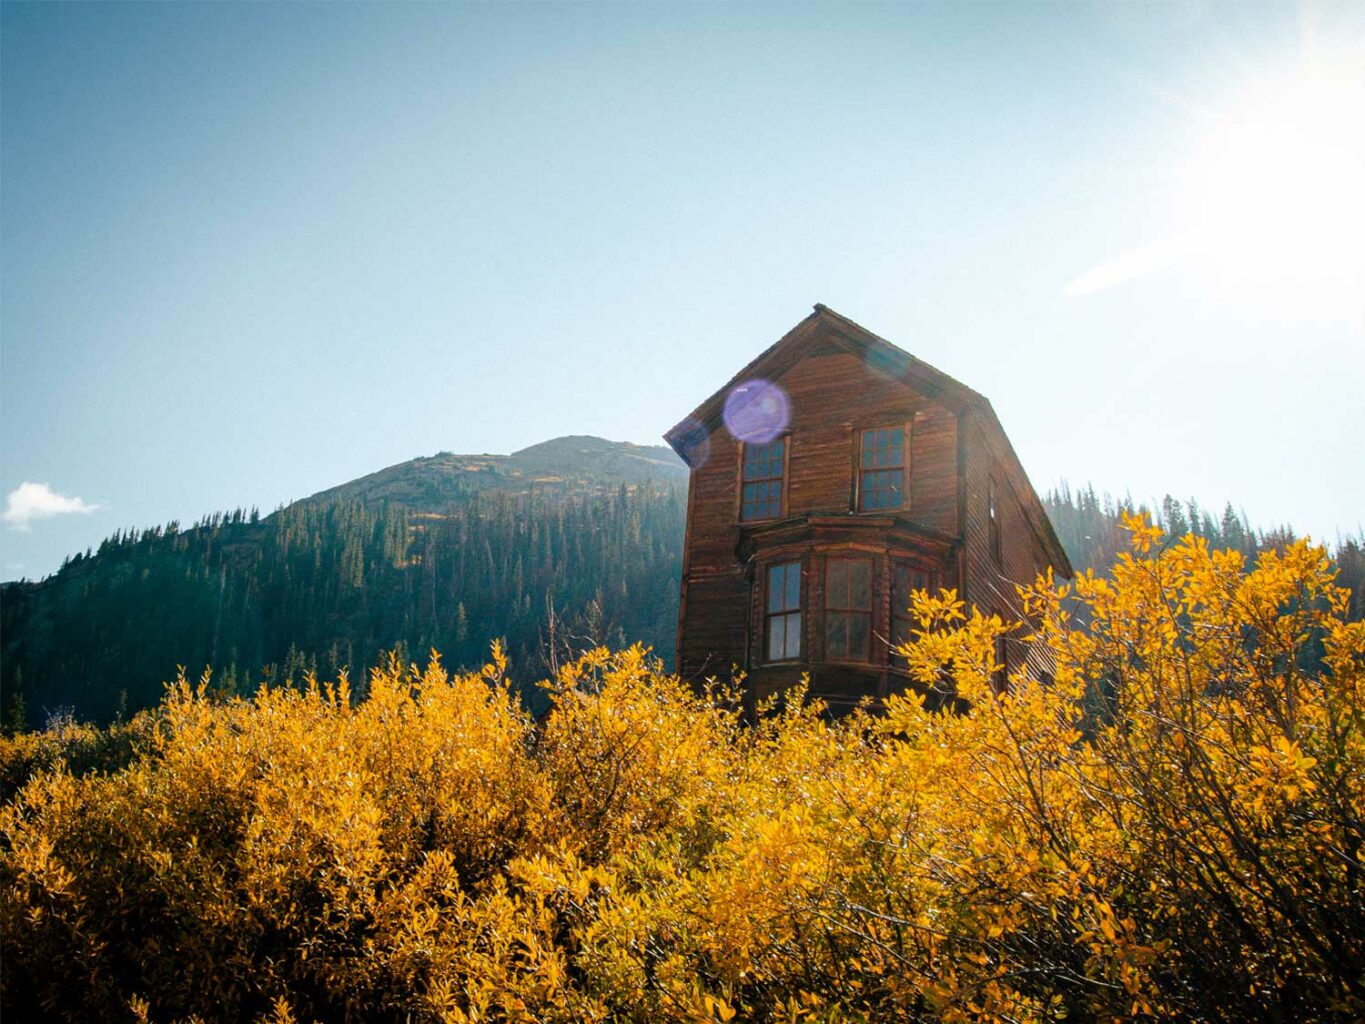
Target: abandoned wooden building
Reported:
[(831, 476)]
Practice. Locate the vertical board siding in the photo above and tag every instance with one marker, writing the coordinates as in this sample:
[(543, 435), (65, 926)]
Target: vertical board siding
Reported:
[(834, 395), (990, 585)]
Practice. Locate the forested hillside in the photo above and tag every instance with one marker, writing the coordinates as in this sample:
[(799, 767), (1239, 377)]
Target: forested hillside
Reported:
[(332, 582), (446, 552)]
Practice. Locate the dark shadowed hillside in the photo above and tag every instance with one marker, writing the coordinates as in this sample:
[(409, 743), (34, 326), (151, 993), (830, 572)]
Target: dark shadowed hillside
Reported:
[(445, 552)]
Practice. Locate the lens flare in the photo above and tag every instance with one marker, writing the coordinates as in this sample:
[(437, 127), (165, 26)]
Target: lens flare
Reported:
[(883, 360), (757, 411), (695, 442)]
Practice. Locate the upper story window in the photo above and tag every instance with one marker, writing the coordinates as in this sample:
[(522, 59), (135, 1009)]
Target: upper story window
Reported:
[(848, 609), (783, 612), (882, 463), (764, 468), (993, 514)]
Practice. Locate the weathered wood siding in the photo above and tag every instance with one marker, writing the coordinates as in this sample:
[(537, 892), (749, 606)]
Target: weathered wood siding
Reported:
[(990, 584), (834, 395)]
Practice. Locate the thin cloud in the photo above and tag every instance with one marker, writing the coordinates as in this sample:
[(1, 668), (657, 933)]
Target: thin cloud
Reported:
[(30, 501), (1144, 261)]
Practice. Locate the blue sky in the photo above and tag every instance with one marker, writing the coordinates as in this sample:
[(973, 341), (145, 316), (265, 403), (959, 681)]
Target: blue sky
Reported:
[(252, 251)]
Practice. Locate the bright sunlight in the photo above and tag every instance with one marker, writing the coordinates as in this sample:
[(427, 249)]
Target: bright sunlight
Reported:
[(1269, 202)]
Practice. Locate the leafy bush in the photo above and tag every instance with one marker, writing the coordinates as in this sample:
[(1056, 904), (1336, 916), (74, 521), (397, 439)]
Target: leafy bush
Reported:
[(81, 748), (1166, 824)]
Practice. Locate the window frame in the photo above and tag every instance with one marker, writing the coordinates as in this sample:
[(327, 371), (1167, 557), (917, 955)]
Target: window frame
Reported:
[(746, 448), (859, 488), (786, 612), (899, 614), (849, 613)]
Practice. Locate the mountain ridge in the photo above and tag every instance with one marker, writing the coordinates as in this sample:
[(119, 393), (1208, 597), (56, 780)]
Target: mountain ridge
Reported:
[(573, 463), (576, 538)]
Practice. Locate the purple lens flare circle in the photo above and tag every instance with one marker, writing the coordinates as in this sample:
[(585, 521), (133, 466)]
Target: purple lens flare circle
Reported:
[(757, 411)]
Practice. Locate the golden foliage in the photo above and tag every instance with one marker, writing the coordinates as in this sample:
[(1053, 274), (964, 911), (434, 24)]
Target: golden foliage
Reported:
[(1167, 823)]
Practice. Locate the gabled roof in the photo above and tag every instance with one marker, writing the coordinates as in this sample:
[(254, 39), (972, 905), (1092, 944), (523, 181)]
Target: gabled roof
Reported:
[(825, 325)]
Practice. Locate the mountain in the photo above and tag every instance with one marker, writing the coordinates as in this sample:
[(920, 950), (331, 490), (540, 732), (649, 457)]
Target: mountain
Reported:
[(444, 552), (566, 543), (561, 466)]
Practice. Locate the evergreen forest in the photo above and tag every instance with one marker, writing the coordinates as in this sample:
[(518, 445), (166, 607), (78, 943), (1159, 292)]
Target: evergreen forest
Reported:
[(334, 582), (317, 588)]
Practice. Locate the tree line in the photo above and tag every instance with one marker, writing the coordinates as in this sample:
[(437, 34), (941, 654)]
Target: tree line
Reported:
[(1090, 527), (321, 587), (317, 588)]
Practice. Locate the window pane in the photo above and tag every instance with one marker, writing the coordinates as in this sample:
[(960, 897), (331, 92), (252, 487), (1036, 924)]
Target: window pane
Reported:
[(900, 632), (777, 637), (761, 495), (883, 448), (763, 461), (793, 649), (900, 588), (895, 448), (762, 500), (755, 463), (882, 457), (857, 636), (836, 583), (860, 585), (776, 576), (881, 489), (836, 635), (907, 579), (784, 587)]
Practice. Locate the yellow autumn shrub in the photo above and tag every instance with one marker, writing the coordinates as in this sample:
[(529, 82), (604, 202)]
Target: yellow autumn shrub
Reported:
[(1166, 824)]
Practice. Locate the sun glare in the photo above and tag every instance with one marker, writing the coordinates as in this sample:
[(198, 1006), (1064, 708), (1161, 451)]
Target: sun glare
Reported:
[(1269, 201), (1274, 193)]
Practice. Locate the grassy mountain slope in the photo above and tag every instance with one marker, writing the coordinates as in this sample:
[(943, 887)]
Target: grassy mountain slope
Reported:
[(564, 465)]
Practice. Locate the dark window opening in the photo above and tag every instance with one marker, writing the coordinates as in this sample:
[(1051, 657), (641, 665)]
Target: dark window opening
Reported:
[(848, 609), (904, 579), (881, 469), (764, 466), (783, 615)]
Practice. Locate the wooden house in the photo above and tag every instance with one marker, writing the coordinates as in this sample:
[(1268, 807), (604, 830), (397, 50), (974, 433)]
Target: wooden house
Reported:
[(831, 476)]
